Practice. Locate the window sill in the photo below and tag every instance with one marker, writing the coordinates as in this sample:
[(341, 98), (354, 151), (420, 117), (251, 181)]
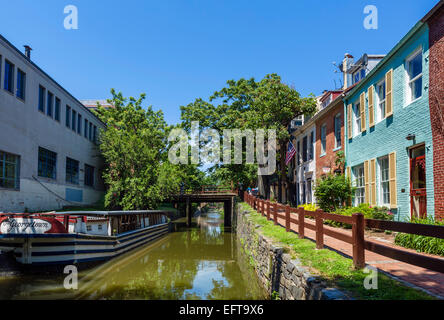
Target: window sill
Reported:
[(10, 189), (322, 155), (337, 148), (413, 101), (21, 99)]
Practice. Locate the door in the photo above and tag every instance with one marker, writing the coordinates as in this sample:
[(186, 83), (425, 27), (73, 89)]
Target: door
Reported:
[(418, 194)]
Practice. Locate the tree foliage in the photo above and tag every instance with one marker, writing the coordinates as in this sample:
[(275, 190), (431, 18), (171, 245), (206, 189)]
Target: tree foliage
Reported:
[(333, 191), (134, 146), (248, 104)]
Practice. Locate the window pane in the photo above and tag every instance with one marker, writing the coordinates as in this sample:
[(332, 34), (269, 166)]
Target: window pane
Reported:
[(68, 116), (417, 88), (57, 109), (47, 163), (72, 171), (49, 102), (41, 99), (415, 66)]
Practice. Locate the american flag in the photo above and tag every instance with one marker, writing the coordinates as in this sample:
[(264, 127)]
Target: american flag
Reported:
[(290, 153)]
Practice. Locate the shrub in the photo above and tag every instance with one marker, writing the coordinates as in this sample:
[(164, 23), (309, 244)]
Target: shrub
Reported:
[(379, 213), (309, 207), (333, 191), (422, 243)]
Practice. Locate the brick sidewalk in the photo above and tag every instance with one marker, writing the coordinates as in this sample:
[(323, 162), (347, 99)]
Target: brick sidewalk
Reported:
[(431, 281)]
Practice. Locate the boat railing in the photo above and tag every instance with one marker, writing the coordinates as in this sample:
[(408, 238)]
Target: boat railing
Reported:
[(120, 221)]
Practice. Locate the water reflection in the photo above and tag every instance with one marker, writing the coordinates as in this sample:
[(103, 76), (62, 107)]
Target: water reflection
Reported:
[(201, 262)]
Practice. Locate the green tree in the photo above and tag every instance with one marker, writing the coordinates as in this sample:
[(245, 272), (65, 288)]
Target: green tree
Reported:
[(333, 191), (247, 104), (134, 146)]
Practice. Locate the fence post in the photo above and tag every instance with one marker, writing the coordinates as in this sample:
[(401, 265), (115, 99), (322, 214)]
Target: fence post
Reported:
[(301, 218), (358, 241), (275, 212), (319, 230), (268, 209), (287, 218)]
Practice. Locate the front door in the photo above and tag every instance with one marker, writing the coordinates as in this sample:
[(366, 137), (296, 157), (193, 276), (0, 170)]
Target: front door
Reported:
[(418, 195)]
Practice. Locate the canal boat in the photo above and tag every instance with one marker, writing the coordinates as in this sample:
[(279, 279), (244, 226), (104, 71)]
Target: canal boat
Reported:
[(65, 238)]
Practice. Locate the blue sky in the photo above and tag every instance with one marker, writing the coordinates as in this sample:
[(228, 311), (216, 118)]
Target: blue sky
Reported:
[(176, 51)]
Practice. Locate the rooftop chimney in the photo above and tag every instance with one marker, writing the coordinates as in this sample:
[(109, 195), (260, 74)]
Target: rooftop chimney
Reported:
[(28, 51)]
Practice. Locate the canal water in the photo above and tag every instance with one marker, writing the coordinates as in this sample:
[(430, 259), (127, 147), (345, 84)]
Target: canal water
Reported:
[(200, 262)]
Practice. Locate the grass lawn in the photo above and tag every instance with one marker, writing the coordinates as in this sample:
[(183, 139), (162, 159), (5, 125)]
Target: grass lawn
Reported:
[(337, 270)]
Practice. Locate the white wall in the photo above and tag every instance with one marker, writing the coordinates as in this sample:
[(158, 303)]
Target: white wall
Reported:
[(23, 129)]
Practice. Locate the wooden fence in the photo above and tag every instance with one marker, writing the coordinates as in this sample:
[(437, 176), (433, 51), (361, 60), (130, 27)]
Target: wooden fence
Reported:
[(274, 211)]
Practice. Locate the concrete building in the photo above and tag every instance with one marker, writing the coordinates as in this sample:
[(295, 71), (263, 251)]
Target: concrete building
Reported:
[(389, 150), (48, 152)]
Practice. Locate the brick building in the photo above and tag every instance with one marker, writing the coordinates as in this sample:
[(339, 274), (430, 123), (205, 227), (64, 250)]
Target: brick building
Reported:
[(329, 132), (435, 21)]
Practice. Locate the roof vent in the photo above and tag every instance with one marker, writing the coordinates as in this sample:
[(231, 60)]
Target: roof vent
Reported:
[(28, 51)]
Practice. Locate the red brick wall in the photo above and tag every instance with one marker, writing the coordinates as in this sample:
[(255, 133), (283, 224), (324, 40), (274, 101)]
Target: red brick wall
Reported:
[(329, 159), (436, 100)]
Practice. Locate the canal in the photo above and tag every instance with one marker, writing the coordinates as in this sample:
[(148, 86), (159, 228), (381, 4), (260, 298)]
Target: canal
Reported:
[(201, 262)]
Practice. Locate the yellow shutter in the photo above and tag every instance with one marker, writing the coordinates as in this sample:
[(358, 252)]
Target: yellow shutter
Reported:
[(349, 121), (371, 109), (392, 181), (389, 93), (349, 173), (367, 187), (373, 182), (362, 110)]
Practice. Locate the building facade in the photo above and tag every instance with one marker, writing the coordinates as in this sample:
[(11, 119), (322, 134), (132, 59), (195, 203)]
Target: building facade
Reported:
[(435, 21), (49, 157), (330, 134), (389, 149)]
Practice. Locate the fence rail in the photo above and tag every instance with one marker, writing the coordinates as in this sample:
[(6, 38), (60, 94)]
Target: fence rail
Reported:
[(208, 189), (273, 211)]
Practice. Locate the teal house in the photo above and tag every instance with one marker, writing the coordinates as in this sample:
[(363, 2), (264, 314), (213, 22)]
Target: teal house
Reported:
[(389, 151)]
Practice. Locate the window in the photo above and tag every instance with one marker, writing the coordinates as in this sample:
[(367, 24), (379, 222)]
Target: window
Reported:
[(384, 182), (89, 228), (99, 227), (79, 123), (311, 147), (49, 104), (47, 163), (57, 109), (304, 149), (90, 132), (95, 134), (338, 131), (86, 129), (414, 71), (72, 171), (9, 76), (323, 138), (74, 119), (68, 116), (89, 175), (359, 184), (42, 91), (357, 117), (380, 94), (21, 84), (9, 171)]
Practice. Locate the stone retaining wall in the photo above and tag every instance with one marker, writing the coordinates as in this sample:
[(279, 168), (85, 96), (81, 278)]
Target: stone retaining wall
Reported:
[(277, 271)]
